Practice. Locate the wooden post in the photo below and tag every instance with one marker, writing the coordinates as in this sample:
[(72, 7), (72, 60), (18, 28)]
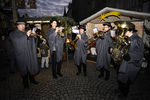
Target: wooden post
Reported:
[(14, 10)]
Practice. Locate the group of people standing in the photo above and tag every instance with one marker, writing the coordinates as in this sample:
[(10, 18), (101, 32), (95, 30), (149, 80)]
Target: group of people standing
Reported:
[(56, 43), (25, 53), (132, 59)]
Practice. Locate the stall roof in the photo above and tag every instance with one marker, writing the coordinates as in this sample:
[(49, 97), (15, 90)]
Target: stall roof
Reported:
[(133, 14)]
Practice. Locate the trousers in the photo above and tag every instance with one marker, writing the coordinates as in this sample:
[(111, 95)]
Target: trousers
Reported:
[(56, 66), (45, 60)]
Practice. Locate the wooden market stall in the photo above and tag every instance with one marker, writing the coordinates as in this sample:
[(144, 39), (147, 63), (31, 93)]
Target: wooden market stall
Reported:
[(140, 19), (113, 14)]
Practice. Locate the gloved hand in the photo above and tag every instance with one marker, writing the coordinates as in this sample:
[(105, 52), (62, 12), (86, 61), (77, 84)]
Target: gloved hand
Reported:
[(101, 36), (126, 57)]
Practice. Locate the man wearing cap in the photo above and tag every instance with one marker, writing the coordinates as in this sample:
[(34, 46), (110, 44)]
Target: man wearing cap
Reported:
[(131, 63), (25, 53), (80, 54), (56, 43), (104, 49)]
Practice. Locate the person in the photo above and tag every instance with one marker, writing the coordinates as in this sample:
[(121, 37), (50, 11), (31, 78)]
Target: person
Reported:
[(104, 48), (3, 50), (11, 55), (80, 53), (39, 37), (56, 44), (25, 53), (131, 63), (44, 49)]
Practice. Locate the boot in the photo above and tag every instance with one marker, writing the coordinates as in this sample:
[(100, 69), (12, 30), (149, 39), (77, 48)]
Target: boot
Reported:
[(32, 79), (124, 89), (25, 81), (84, 69), (60, 74), (58, 69), (54, 71), (107, 75), (101, 73), (55, 76), (79, 70), (54, 65)]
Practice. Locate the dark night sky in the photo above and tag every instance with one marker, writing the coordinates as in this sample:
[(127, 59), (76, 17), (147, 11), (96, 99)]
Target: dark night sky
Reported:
[(46, 8)]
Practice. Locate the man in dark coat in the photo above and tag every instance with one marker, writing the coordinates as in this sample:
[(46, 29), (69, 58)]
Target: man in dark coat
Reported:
[(56, 43), (80, 54), (104, 48), (25, 53), (131, 62)]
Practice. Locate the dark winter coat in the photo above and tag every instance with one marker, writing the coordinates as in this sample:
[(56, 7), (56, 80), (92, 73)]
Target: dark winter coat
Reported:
[(129, 69), (56, 43), (103, 51), (25, 52), (80, 54)]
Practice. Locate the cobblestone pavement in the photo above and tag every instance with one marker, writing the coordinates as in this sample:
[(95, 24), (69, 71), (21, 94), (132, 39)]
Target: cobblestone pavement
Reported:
[(72, 87)]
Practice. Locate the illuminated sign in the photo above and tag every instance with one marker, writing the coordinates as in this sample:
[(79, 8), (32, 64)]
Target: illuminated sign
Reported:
[(104, 16)]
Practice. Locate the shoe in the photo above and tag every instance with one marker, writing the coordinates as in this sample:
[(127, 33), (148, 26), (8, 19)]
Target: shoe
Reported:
[(106, 78), (85, 74), (42, 68), (122, 97), (60, 74), (55, 77), (25, 82), (117, 91), (34, 82), (26, 86), (32, 79), (12, 72), (78, 73), (100, 76)]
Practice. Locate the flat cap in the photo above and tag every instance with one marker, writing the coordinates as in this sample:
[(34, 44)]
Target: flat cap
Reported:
[(20, 22)]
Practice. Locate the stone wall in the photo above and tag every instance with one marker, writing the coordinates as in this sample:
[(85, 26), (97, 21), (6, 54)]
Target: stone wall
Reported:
[(146, 33), (139, 27)]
